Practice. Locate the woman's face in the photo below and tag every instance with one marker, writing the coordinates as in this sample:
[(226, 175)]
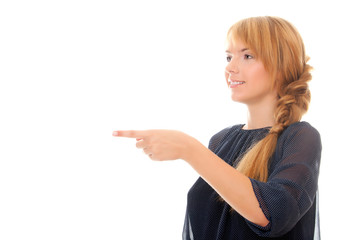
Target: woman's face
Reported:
[(246, 76)]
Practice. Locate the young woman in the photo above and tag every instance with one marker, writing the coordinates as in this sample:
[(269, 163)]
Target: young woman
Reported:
[(259, 179)]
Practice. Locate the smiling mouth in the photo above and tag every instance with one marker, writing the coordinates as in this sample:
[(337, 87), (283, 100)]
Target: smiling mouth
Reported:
[(235, 83)]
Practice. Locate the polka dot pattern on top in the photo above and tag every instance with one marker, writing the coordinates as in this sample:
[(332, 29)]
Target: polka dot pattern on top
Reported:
[(288, 199)]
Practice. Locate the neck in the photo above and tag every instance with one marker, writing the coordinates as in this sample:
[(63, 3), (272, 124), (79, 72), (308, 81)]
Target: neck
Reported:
[(260, 115)]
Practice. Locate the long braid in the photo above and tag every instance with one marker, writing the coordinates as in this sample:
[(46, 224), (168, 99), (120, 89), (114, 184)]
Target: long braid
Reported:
[(293, 102)]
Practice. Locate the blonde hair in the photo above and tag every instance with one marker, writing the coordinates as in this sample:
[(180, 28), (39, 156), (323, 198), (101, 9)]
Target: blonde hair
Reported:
[(280, 47)]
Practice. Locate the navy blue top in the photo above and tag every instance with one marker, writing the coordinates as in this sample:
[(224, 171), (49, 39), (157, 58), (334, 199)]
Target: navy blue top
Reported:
[(288, 198)]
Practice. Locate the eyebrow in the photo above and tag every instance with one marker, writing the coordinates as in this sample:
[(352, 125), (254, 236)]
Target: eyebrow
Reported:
[(242, 50)]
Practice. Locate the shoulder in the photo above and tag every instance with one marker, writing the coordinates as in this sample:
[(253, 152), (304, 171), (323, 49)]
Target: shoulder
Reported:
[(300, 143), (300, 136), (300, 130), (217, 138)]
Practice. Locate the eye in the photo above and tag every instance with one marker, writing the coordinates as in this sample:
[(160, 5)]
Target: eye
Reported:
[(248, 56), (228, 58)]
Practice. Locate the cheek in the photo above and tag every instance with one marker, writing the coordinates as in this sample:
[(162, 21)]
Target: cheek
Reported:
[(262, 76)]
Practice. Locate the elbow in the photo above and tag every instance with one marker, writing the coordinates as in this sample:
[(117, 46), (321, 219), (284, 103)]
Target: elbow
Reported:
[(257, 217), (263, 222), (260, 220)]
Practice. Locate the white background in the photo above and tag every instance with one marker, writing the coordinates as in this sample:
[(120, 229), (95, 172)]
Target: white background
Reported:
[(71, 72)]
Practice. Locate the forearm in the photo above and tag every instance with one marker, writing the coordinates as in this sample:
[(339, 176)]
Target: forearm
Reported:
[(234, 187)]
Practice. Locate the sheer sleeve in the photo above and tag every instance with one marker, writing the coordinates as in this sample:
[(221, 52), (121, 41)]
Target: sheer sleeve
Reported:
[(292, 184)]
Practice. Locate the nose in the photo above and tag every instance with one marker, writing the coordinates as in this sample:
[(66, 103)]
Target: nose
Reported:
[(232, 67)]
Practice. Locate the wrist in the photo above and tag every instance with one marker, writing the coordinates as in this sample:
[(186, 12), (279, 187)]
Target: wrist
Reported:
[(195, 152)]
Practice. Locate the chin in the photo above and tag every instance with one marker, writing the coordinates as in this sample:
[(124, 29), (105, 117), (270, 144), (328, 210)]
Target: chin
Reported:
[(238, 99)]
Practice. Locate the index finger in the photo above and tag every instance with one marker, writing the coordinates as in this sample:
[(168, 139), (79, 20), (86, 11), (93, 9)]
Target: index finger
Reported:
[(130, 133)]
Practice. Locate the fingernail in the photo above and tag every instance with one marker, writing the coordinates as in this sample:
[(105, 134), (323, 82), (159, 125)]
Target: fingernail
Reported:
[(115, 133)]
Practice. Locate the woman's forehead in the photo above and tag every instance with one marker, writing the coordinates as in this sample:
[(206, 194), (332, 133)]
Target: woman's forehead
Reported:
[(236, 45)]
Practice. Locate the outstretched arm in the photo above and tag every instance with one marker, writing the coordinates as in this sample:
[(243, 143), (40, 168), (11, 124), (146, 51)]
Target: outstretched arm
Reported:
[(234, 187)]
